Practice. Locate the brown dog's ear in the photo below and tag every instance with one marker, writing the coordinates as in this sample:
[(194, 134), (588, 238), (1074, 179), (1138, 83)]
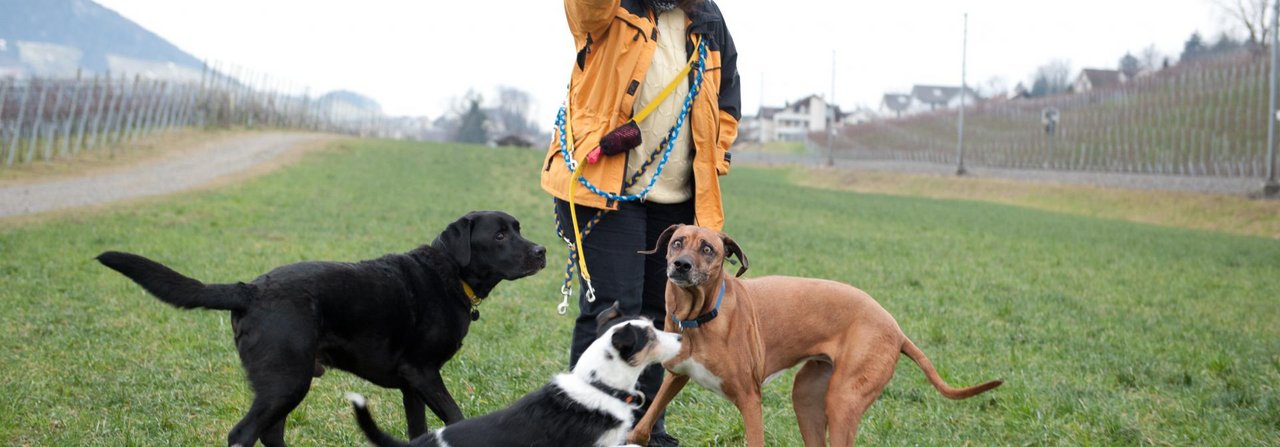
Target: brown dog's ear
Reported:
[(661, 245), (731, 248)]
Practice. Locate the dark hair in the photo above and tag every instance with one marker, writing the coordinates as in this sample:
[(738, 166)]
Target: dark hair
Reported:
[(687, 5)]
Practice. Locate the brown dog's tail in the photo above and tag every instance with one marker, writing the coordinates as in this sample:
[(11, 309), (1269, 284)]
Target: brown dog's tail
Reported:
[(917, 355)]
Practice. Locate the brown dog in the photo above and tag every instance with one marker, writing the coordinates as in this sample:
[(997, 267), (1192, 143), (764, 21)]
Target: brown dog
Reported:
[(739, 334)]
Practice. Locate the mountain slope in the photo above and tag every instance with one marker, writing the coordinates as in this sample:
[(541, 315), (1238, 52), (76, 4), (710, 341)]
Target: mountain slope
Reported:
[(87, 26)]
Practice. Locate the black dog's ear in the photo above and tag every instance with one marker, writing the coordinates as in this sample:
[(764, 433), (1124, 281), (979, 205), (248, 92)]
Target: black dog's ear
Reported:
[(607, 316), (456, 241), (628, 340), (731, 248), (661, 245)]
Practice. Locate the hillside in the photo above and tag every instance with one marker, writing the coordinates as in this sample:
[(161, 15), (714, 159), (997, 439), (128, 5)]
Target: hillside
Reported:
[(1206, 118), (54, 37)]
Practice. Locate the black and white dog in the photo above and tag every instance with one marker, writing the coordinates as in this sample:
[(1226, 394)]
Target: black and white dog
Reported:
[(589, 407), (393, 321)]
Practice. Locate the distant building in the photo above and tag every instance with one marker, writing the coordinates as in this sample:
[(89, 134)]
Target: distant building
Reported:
[(924, 98), (859, 115), (1091, 79), (792, 122), (896, 103), (940, 97)]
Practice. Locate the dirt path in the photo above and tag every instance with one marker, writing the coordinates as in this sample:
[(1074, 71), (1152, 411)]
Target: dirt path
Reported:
[(209, 162)]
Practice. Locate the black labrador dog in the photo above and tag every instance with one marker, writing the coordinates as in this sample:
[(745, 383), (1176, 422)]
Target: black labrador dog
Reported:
[(393, 321)]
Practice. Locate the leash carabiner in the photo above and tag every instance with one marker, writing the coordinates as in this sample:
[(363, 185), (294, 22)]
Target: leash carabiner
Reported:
[(563, 308), (591, 291)]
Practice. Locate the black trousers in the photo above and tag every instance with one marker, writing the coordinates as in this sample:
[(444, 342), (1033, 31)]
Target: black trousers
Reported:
[(637, 282)]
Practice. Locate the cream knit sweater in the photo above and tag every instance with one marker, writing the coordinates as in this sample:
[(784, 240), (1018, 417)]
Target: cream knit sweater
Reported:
[(674, 185)]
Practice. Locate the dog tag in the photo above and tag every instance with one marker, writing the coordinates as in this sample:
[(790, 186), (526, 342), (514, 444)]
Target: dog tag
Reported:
[(475, 314)]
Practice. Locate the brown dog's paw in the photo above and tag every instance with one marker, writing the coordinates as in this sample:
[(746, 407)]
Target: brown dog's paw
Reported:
[(637, 438)]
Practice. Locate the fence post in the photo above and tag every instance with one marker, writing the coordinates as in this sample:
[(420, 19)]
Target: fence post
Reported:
[(71, 116), (39, 122), (176, 98), (187, 111), (127, 93), (111, 96), (165, 108), (99, 105), (157, 109), (146, 109), (84, 117), (53, 121), (17, 126), (4, 128), (153, 107), (130, 131)]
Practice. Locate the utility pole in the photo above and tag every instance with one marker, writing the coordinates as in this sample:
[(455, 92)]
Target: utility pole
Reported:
[(1272, 187), (831, 115), (964, 91)]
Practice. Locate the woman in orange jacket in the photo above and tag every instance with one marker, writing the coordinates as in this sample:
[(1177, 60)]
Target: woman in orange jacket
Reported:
[(653, 106)]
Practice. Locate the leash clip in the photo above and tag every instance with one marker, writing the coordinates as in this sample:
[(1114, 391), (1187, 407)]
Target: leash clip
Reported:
[(566, 291), (591, 292)]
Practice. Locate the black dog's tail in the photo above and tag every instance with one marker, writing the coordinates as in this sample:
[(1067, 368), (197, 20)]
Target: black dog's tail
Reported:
[(370, 428), (174, 288)]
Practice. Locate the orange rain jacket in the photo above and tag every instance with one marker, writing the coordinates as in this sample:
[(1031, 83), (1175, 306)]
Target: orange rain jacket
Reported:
[(616, 41)]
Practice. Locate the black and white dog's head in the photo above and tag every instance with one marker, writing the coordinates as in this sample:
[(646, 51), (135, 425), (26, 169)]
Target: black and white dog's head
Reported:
[(622, 352), (487, 247)]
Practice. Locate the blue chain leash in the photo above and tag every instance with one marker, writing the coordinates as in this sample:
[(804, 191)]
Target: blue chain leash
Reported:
[(664, 148)]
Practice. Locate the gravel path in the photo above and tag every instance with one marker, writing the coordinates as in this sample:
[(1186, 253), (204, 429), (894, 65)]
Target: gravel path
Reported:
[(1212, 185), (210, 161)]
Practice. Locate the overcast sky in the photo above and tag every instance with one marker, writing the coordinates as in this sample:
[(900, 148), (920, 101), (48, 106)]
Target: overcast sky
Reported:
[(413, 56)]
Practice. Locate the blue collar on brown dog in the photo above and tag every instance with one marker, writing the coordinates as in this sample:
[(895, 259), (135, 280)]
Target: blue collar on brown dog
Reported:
[(704, 318)]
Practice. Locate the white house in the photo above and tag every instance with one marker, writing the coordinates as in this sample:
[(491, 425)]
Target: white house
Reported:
[(925, 98), (1091, 79), (940, 97), (897, 104), (792, 122)]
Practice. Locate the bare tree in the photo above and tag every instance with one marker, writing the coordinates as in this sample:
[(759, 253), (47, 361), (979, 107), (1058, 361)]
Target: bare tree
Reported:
[(1250, 14), (1150, 58), (460, 105), (513, 111), (993, 87), (1051, 78)]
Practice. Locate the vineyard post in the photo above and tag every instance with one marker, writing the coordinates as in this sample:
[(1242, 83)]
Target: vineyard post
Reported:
[(39, 122), (1272, 188), (964, 72), (53, 121), (84, 116), (71, 115), (4, 92)]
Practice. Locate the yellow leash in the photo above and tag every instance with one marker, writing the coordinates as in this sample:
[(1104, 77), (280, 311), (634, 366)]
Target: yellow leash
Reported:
[(578, 163), (671, 86), (573, 209)]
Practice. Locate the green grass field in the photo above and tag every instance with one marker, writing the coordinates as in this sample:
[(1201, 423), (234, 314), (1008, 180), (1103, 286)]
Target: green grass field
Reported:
[(1106, 332)]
